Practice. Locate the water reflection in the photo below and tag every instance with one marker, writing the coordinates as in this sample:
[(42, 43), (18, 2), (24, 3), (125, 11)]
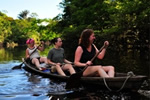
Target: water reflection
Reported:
[(23, 97), (98, 95)]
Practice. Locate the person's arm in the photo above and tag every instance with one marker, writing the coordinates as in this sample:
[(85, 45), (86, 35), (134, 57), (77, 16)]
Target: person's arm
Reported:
[(67, 61), (50, 62), (27, 54), (102, 53), (78, 54)]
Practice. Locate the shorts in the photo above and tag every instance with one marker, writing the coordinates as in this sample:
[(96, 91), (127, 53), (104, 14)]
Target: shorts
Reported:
[(37, 58)]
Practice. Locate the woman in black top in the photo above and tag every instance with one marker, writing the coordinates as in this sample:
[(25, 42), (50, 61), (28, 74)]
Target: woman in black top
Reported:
[(86, 51)]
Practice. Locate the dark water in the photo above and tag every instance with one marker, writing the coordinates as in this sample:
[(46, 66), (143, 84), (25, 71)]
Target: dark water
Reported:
[(21, 85)]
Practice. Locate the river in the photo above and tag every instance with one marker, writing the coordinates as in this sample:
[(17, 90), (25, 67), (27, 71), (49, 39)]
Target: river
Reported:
[(21, 85)]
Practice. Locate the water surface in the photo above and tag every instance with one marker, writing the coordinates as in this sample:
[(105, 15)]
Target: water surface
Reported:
[(21, 85)]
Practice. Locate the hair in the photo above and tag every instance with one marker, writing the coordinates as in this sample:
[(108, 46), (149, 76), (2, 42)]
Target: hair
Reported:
[(84, 38), (29, 41), (53, 41)]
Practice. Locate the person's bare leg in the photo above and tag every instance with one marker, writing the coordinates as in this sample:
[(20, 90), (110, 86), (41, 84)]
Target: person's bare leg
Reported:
[(109, 70), (94, 71), (60, 71), (69, 67), (36, 62), (43, 59), (102, 73)]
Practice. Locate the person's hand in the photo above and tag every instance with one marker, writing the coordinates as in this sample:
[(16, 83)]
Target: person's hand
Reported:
[(89, 63), (28, 56), (58, 64), (106, 44)]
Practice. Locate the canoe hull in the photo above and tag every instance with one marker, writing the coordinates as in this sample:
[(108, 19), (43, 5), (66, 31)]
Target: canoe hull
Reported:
[(120, 82), (115, 84)]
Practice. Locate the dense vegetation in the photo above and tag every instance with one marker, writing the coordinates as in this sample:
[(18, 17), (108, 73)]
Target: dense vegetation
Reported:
[(125, 23)]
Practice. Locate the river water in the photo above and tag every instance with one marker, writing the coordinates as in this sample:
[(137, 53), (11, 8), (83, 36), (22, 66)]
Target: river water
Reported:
[(21, 85)]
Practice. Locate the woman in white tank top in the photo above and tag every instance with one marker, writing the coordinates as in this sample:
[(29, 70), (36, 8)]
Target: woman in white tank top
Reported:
[(33, 54)]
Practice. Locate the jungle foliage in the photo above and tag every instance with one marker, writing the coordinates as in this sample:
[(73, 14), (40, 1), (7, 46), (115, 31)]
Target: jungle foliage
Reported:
[(122, 22)]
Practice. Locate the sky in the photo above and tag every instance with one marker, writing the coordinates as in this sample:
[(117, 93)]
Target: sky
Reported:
[(43, 8)]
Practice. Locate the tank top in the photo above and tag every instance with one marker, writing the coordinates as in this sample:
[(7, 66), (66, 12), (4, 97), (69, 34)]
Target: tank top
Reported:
[(86, 55), (35, 54)]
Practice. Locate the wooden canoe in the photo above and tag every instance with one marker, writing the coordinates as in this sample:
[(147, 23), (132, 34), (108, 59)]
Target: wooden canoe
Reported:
[(121, 81)]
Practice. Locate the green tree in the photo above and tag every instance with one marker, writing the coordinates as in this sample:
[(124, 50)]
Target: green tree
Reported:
[(114, 20), (18, 28), (23, 14), (5, 27)]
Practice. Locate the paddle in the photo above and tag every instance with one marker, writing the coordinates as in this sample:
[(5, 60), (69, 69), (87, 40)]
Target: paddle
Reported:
[(74, 80), (19, 66)]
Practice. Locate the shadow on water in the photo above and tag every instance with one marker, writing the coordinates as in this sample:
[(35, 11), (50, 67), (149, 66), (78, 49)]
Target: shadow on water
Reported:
[(21, 85), (98, 95)]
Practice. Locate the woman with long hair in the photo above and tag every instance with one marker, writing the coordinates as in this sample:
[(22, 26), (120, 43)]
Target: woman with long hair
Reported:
[(86, 51)]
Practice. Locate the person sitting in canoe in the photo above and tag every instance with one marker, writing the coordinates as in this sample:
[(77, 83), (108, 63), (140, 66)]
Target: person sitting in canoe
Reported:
[(33, 54), (56, 57), (86, 51)]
